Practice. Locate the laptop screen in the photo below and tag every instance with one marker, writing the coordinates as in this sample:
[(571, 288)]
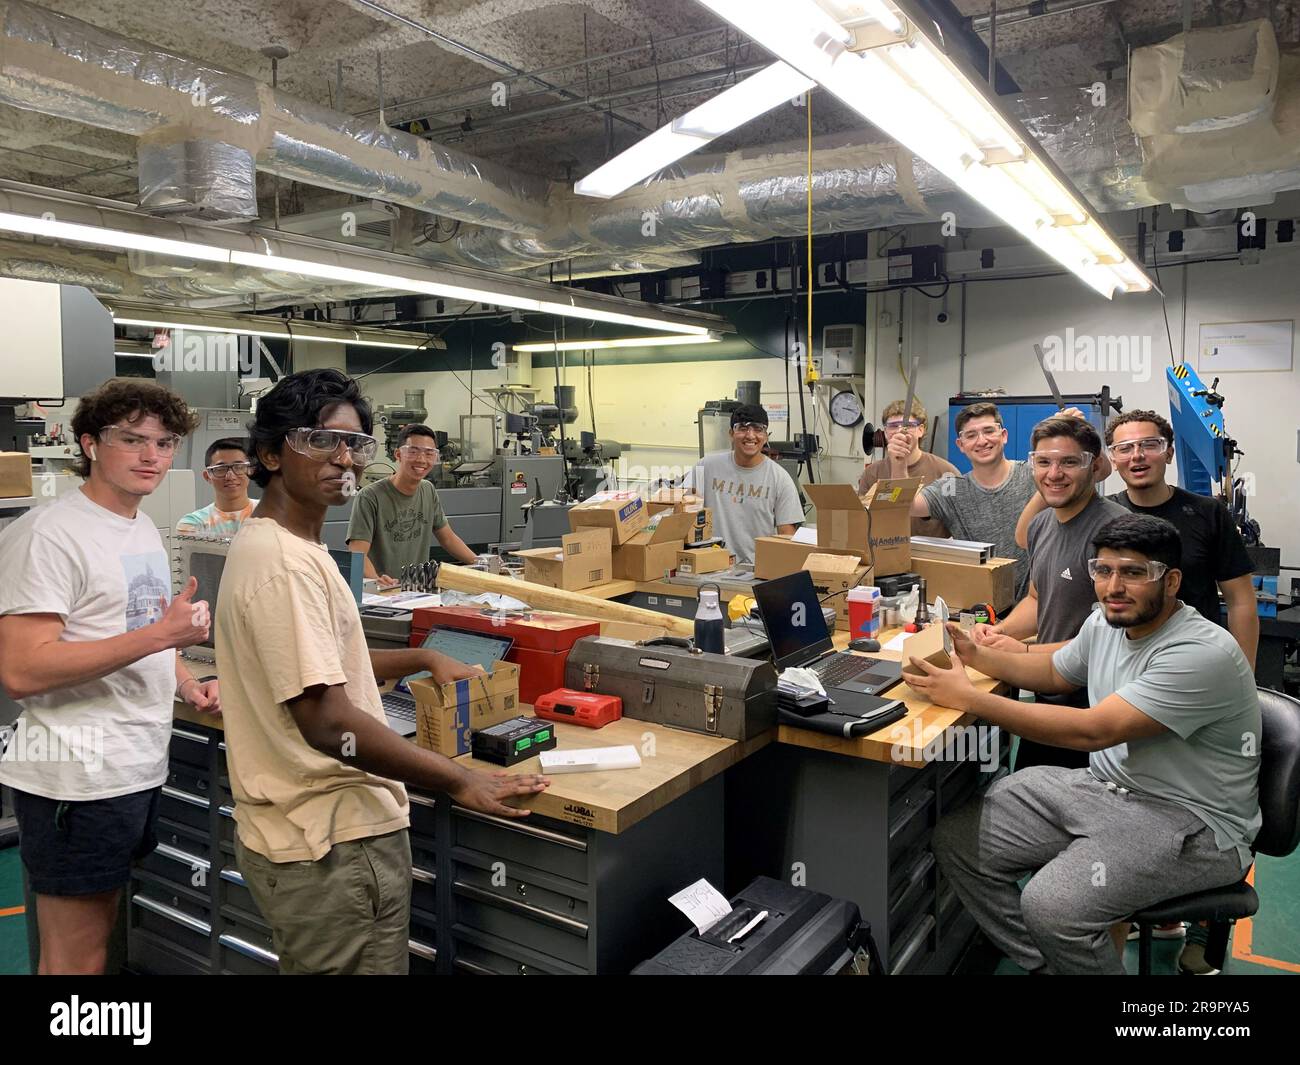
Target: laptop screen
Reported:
[(793, 619), (472, 648)]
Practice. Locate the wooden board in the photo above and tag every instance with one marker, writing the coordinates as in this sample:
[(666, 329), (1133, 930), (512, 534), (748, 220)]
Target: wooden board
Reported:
[(615, 800)]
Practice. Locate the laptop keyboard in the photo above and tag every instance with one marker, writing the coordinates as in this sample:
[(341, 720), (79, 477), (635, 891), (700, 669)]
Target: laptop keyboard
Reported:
[(397, 706), (839, 667)]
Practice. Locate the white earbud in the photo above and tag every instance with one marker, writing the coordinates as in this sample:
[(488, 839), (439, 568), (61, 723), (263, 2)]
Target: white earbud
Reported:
[(92, 453)]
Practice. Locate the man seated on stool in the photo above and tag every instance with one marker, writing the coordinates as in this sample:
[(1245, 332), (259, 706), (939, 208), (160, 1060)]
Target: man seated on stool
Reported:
[(394, 520), (1169, 803), (904, 458), (749, 494), (226, 468)]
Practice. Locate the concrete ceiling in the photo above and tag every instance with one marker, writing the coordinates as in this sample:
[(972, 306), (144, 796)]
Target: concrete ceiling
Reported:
[(529, 35)]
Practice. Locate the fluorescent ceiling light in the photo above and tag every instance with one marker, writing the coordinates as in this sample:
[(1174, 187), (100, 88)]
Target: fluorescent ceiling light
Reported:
[(618, 342), (442, 282), (754, 96), (286, 329), (903, 82)]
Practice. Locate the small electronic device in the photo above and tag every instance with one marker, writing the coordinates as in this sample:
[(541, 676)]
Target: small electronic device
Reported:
[(589, 709), (513, 741), (591, 760), (864, 645)]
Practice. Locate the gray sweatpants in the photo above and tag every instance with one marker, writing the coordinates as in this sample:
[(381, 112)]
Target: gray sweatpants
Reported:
[(1097, 855)]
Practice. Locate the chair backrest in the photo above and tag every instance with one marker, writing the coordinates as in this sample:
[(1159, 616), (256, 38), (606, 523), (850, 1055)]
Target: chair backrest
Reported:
[(1279, 774)]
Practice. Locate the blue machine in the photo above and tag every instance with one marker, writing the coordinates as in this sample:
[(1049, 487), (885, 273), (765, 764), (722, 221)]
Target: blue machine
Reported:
[(1203, 451)]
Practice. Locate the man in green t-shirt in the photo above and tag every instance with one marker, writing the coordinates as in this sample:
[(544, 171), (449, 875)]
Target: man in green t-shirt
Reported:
[(394, 520)]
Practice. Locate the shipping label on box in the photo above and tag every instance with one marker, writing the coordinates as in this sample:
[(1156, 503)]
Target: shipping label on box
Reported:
[(623, 513), (582, 560), (447, 714)]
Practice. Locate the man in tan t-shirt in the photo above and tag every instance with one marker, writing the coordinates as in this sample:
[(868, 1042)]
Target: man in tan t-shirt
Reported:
[(314, 768), (904, 458)]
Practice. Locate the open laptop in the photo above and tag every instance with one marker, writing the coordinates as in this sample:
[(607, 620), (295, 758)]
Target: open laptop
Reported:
[(797, 632), (471, 648)]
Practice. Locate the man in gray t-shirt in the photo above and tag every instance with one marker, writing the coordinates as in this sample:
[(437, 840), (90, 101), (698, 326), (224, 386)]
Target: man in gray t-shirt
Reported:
[(749, 494), (1169, 803)]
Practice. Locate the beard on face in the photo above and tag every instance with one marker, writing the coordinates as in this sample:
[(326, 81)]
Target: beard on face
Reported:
[(1148, 613)]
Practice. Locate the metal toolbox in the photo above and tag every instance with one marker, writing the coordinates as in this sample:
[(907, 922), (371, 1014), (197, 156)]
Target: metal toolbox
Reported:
[(718, 695)]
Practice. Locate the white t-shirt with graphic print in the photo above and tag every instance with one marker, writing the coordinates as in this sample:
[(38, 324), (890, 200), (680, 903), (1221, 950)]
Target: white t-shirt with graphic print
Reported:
[(105, 575)]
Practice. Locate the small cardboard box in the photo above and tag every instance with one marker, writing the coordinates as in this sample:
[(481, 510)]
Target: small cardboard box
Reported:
[(446, 714), (624, 514), (779, 556), (704, 560), (963, 584), (703, 527), (844, 521), (582, 559), (673, 500), (15, 474), (834, 575), (932, 644), (652, 552)]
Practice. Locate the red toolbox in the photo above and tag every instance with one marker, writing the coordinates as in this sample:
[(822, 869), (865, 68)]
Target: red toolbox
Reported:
[(542, 640)]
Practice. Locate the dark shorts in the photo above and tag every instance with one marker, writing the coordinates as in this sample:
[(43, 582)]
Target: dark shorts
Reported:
[(84, 848)]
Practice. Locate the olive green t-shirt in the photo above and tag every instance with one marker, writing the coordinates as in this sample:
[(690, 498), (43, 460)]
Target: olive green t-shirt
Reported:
[(399, 528)]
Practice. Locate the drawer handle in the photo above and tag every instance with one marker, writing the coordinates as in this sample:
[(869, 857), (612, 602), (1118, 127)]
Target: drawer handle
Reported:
[(226, 811), (233, 876), (193, 737), (184, 796), (249, 950), (472, 967), (421, 800), (568, 924), (527, 830), (913, 945), (423, 875), (422, 950), (174, 854), (172, 914), (912, 809)]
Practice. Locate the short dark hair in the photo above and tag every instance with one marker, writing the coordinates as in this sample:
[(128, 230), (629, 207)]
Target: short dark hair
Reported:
[(977, 410), (296, 402), (1148, 535), (748, 412), (409, 431), (227, 443), (1166, 430), (1081, 432), (122, 398)]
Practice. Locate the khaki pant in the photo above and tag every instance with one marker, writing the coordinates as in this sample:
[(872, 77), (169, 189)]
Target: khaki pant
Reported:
[(347, 914)]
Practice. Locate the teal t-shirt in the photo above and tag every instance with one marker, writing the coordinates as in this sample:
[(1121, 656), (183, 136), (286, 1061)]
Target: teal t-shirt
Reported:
[(399, 528), (1190, 676)]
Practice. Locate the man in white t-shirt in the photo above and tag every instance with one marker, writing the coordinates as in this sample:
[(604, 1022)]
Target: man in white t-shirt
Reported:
[(88, 637)]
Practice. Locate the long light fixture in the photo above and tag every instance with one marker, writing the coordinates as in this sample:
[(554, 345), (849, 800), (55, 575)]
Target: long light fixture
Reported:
[(434, 280), (284, 329), (754, 96), (617, 342), (880, 59)]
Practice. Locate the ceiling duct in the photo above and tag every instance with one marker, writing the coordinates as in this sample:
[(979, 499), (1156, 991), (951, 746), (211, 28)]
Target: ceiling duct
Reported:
[(197, 180)]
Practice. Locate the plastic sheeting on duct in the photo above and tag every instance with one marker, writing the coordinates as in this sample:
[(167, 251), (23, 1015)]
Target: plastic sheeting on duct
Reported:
[(203, 180), (586, 266), (67, 68)]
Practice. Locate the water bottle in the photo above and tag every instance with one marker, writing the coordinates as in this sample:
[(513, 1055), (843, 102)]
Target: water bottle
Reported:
[(708, 622)]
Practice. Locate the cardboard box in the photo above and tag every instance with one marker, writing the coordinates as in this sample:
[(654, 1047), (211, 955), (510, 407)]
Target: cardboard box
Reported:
[(624, 514), (844, 521), (582, 559), (703, 527), (931, 644), (15, 474), (962, 584), (704, 560), (832, 574), (446, 714), (672, 500), (652, 552), (779, 556)]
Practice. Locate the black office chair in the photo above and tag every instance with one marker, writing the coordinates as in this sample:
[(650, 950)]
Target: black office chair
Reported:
[(1279, 804)]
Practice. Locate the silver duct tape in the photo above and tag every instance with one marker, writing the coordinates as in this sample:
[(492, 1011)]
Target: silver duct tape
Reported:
[(64, 67), (585, 266), (206, 181), (62, 274)]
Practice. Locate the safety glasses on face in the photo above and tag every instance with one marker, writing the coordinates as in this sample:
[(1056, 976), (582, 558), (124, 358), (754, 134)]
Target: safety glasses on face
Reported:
[(323, 444), (412, 452), (222, 470), (1130, 570), (894, 424), (1151, 445), (130, 440), (987, 432), (750, 427), (1045, 460)]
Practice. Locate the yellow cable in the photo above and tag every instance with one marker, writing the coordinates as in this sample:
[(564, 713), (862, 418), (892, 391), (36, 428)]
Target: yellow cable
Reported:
[(810, 374)]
